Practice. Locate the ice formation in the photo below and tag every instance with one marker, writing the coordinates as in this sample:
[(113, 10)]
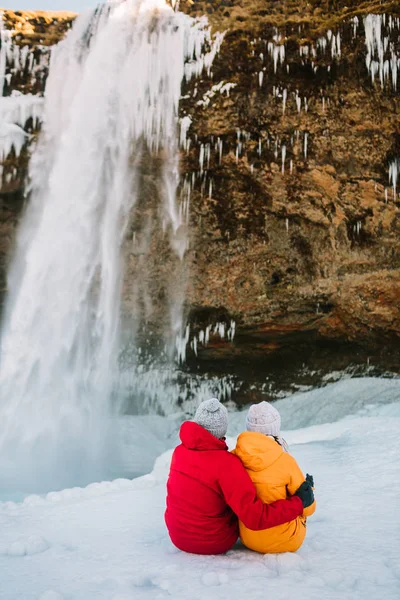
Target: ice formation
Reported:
[(380, 33), (20, 108), (382, 59), (16, 110), (11, 137), (221, 88)]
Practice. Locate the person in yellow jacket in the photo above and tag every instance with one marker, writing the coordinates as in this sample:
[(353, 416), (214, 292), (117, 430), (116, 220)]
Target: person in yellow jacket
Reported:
[(276, 476)]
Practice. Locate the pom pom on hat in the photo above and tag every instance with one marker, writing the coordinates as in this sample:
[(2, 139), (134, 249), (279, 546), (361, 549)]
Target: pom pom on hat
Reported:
[(213, 416)]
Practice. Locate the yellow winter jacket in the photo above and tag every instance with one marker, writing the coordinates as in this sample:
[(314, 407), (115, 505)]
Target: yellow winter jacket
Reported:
[(276, 476)]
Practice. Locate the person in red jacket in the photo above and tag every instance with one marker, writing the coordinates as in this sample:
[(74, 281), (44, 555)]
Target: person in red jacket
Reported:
[(208, 489)]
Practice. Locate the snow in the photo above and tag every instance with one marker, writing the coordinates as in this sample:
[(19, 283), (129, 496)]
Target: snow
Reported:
[(35, 544), (219, 88), (108, 541)]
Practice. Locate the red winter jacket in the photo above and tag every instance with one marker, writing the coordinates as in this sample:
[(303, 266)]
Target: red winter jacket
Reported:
[(208, 490)]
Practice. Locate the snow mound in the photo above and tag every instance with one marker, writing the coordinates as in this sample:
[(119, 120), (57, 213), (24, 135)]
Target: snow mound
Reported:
[(34, 544), (338, 400), (357, 396), (158, 476)]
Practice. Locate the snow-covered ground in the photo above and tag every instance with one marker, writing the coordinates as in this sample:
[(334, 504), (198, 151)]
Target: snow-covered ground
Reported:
[(108, 541)]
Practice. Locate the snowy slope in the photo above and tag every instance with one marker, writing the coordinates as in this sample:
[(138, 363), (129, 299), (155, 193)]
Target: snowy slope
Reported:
[(108, 541)]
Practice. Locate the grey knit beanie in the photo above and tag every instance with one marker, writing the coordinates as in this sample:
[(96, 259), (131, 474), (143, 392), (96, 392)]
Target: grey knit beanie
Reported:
[(213, 416), (264, 418)]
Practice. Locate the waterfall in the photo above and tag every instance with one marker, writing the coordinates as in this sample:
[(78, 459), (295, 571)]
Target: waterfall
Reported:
[(111, 101)]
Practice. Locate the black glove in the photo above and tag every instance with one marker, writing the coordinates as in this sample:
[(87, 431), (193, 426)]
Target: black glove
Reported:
[(310, 480), (305, 493)]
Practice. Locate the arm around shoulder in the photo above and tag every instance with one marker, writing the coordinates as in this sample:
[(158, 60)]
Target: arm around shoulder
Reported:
[(240, 494)]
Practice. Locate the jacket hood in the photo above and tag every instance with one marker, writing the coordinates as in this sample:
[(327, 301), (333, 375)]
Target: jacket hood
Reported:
[(257, 451), (195, 437)]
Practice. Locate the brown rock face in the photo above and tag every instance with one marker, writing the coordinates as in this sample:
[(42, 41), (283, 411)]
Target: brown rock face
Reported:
[(294, 225), (38, 27)]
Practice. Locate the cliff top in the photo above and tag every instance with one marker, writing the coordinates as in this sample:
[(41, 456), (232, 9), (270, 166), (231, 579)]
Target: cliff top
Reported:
[(37, 27), (48, 27), (320, 15)]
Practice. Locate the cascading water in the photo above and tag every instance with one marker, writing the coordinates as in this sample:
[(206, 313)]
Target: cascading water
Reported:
[(111, 99)]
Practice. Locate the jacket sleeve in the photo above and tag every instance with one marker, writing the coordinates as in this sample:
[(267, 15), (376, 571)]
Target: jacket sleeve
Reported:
[(240, 494), (295, 480)]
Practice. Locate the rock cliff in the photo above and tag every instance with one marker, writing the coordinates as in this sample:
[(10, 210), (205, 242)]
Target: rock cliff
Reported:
[(290, 156), (295, 223)]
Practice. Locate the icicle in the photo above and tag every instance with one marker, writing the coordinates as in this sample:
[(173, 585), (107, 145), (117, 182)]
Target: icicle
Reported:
[(181, 343), (277, 51), (394, 170), (298, 102), (193, 345), (355, 26), (11, 137), (322, 44), (220, 149), (232, 331), (201, 158), (208, 155), (5, 44), (333, 47), (185, 124), (377, 46), (284, 100)]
